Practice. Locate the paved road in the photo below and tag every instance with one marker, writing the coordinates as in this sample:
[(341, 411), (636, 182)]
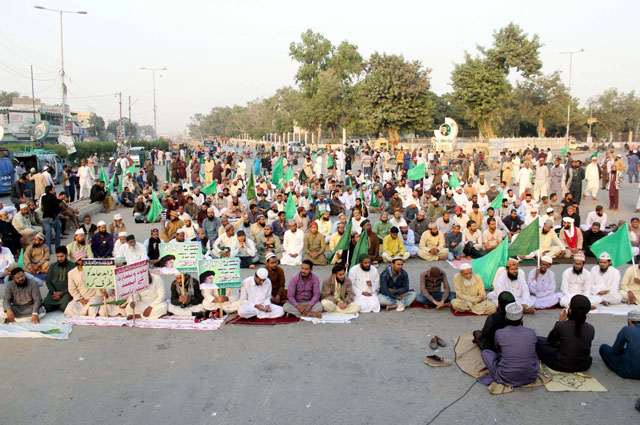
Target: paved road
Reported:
[(368, 372)]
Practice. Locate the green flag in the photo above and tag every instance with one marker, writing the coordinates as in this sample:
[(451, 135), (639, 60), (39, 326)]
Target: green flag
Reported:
[(374, 200), (167, 174), (309, 197), (351, 185), (330, 162), (564, 151), (111, 183), (251, 186), (362, 247), (453, 181), (417, 172), (487, 266), (155, 210), (201, 176), (617, 245), (210, 188), (362, 196), (187, 157), (289, 175), (528, 240), (120, 183), (131, 169), (593, 155), (103, 176), (278, 173), (343, 243), (290, 208), (496, 203), (21, 259)]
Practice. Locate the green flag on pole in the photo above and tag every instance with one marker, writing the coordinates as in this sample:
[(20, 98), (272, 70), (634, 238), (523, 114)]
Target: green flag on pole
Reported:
[(289, 175), (330, 162), (496, 203), (374, 200), (131, 169), (528, 240), (417, 172), (351, 185), (278, 173), (111, 183), (453, 181), (167, 174), (187, 157), (362, 247), (362, 196), (120, 183), (21, 259), (210, 188), (103, 176), (617, 245), (155, 210), (309, 197), (593, 155), (487, 266), (290, 208), (251, 186), (564, 151), (343, 243)]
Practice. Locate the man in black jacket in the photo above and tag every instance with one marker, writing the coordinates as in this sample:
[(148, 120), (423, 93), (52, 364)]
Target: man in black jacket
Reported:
[(50, 210), (17, 191)]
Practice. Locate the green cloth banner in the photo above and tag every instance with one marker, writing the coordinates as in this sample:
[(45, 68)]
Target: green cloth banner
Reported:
[(487, 266)]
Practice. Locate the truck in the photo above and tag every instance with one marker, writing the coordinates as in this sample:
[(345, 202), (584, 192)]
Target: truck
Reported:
[(38, 158)]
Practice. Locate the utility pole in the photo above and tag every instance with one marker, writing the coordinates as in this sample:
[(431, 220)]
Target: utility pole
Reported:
[(129, 108), (33, 97), (569, 91), (120, 95), (155, 106)]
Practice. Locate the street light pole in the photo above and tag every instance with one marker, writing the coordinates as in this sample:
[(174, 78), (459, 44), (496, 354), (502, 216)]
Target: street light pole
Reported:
[(155, 106), (64, 88), (570, 71)]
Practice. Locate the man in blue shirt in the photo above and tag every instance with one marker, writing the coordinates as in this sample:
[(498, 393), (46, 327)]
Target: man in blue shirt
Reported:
[(624, 357), (102, 242), (394, 287)]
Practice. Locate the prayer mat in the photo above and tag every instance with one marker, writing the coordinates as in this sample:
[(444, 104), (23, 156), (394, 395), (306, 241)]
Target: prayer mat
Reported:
[(466, 313), (588, 260), (165, 322), (456, 264), (563, 381), (331, 318), (615, 310), (266, 322), (468, 356), (416, 304), (555, 307), (495, 388), (50, 327)]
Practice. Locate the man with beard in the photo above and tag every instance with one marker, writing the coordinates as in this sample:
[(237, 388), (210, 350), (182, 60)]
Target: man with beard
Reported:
[(366, 285), (57, 282), (571, 237), (324, 226), (434, 289), (606, 281), (186, 297), (432, 246), (435, 210), (82, 297), (22, 301), (268, 243), (470, 294), (335, 204), (394, 287), (556, 177), (513, 280), (622, 357), (419, 225), (245, 249), (152, 246), (102, 242), (210, 225), (222, 246), (304, 293), (444, 223), (79, 244), (382, 227), (590, 237), (513, 223), (314, 246), (36, 256), (453, 242), (550, 244), (170, 229), (276, 276), (255, 295), (576, 281), (596, 216), (132, 251), (542, 285), (256, 230), (292, 245), (333, 242), (574, 176), (337, 292)]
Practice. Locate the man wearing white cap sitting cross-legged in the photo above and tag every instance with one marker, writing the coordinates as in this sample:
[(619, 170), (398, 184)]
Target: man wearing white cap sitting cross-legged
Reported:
[(255, 295), (606, 281), (79, 244), (575, 280), (22, 222), (117, 226), (542, 285)]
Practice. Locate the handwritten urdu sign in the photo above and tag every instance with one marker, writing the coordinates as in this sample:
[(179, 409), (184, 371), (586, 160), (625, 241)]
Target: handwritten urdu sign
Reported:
[(98, 273), (131, 278), (226, 273), (187, 255)]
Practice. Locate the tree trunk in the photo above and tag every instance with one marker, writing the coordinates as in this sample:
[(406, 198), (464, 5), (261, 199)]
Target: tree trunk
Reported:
[(541, 129), (484, 129)]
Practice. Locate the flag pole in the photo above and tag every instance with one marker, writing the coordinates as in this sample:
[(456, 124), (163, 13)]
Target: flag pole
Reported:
[(633, 262)]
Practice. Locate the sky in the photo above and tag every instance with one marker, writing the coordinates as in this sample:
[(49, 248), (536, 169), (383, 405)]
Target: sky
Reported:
[(226, 52)]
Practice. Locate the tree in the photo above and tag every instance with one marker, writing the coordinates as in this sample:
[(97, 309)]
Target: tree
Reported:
[(96, 126), (394, 95), (313, 53), (481, 84), (130, 128), (616, 113), (6, 98)]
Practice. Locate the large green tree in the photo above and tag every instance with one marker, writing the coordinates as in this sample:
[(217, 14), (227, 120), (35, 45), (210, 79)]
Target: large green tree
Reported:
[(394, 95), (616, 113), (480, 83), (6, 98)]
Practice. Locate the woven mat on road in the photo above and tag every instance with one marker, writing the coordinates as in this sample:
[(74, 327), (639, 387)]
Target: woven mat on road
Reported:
[(166, 322), (563, 381), (264, 322)]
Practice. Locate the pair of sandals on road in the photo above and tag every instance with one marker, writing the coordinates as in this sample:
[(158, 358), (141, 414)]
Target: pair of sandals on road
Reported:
[(436, 360)]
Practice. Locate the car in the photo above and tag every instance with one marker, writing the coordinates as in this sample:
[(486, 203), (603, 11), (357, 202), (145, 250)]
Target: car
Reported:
[(137, 155), (578, 146)]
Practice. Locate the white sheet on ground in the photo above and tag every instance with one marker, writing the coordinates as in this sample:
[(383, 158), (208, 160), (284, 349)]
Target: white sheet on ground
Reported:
[(331, 318), (51, 327), (615, 310)]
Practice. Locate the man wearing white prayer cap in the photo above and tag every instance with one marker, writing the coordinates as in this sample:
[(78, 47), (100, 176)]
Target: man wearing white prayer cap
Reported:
[(542, 285), (513, 280), (79, 244), (117, 226), (292, 245), (470, 293), (255, 295), (571, 237), (575, 280), (606, 281)]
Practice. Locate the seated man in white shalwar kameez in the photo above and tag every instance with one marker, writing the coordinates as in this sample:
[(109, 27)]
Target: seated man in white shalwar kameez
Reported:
[(150, 303), (606, 281), (513, 280), (542, 285), (575, 280), (132, 251), (292, 245), (228, 298), (255, 295), (366, 285)]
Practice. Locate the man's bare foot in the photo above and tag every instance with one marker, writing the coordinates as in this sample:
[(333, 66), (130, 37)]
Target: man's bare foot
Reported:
[(593, 307), (316, 315), (530, 310), (391, 307), (252, 266), (605, 303)]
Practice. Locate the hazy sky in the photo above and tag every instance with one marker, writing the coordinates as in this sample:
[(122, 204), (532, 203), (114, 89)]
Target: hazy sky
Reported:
[(225, 52)]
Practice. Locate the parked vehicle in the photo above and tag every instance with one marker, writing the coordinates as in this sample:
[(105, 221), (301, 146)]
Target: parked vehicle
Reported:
[(7, 173), (137, 155), (38, 158)]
